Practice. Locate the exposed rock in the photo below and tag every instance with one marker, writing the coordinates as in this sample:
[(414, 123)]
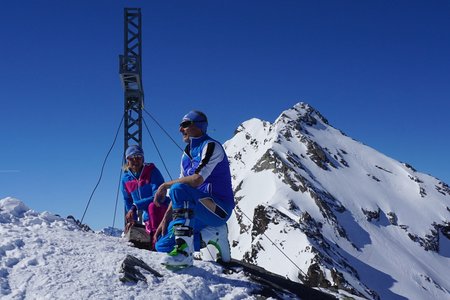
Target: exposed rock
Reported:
[(409, 167), (238, 187), (341, 159), (430, 242), (320, 210), (309, 116), (260, 221), (392, 217), (82, 226), (383, 169), (432, 239), (130, 272), (293, 206), (323, 201), (415, 179), (317, 154), (427, 278), (294, 160), (422, 192), (443, 188), (252, 255), (272, 161), (371, 215), (445, 229), (239, 129), (287, 134), (339, 282), (316, 277), (238, 156), (239, 216), (237, 199), (311, 228), (266, 215), (254, 143), (338, 278), (374, 178), (269, 161)]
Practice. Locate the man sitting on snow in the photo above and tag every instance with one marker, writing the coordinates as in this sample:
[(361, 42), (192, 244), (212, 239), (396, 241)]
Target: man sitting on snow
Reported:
[(202, 198)]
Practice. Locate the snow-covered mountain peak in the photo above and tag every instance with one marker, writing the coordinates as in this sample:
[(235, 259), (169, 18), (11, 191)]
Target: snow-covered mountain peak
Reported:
[(301, 113), (329, 201)]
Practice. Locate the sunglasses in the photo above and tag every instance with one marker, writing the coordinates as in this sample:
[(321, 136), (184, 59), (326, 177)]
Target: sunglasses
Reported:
[(134, 157), (186, 124)]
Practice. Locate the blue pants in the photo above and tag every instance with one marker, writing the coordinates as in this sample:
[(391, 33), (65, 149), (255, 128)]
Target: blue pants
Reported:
[(186, 197)]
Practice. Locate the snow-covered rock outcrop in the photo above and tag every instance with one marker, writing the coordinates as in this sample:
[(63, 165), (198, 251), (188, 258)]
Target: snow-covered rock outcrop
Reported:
[(347, 216)]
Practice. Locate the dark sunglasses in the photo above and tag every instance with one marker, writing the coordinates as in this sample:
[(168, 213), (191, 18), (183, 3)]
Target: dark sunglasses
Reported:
[(132, 157), (186, 124)]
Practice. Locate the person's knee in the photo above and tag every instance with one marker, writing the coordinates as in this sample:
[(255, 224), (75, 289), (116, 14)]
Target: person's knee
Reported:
[(177, 186), (165, 244), (161, 247), (176, 189)]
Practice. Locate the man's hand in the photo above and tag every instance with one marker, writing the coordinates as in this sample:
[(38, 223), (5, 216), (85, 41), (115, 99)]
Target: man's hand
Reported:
[(160, 194), (160, 231)]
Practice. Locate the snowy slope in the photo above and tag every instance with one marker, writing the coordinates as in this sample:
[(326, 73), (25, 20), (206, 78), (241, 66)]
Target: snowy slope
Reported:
[(43, 256), (313, 205), (347, 216)]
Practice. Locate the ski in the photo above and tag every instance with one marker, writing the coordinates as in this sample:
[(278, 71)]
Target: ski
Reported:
[(272, 282)]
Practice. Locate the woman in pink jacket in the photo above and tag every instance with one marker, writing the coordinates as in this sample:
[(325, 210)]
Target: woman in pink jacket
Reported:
[(139, 185)]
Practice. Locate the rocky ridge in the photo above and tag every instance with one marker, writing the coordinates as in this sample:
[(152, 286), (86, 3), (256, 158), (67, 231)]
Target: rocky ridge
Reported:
[(317, 192)]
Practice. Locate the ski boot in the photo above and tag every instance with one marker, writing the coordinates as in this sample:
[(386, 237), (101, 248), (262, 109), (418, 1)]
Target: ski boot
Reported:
[(218, 238), (181, 255)]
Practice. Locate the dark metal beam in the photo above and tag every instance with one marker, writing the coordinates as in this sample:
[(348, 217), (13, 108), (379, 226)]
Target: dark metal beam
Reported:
[(130, 70), (131, 76)]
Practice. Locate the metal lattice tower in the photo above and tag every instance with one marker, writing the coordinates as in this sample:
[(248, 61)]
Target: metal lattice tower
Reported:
[(131, 75)]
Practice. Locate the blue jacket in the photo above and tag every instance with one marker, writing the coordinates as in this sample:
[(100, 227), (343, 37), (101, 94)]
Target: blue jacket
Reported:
[(140, 189), (206, 156)]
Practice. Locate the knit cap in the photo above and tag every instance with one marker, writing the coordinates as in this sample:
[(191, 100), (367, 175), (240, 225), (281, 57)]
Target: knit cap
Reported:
[(134, 150), (200, 120)]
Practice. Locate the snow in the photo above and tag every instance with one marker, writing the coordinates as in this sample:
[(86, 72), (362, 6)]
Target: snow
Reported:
[(387, 260), (43, 256)]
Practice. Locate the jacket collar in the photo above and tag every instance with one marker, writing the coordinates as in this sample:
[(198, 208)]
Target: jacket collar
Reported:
[(195, 141)]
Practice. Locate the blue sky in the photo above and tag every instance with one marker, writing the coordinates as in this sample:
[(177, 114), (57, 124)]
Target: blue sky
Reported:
[(377, 70)]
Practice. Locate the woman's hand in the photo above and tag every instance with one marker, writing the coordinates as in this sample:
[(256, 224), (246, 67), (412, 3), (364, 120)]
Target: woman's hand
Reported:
[(129, 218)]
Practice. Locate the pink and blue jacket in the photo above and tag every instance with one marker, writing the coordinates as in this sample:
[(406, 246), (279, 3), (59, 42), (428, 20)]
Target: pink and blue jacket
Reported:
[(140, 189)]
